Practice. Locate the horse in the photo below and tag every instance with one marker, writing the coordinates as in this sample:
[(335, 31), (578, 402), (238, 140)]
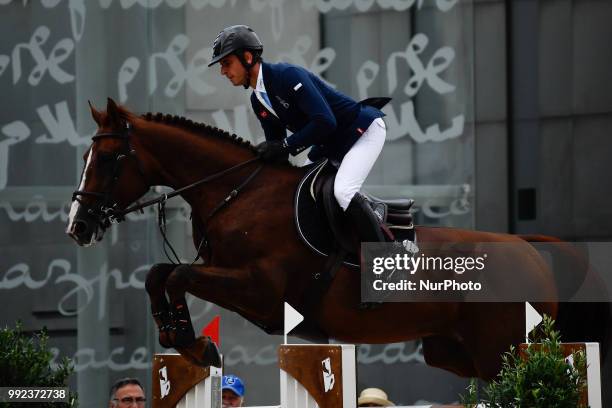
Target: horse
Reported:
[(255, 261)]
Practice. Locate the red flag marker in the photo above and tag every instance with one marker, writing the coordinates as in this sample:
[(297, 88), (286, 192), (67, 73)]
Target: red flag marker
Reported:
[(212, 330)]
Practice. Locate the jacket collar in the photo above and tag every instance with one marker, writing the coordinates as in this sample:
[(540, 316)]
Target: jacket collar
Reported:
[(260, 86), (264, 77)]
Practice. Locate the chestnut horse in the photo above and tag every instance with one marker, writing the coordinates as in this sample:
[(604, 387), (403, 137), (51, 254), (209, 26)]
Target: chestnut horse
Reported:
[(256, 260)]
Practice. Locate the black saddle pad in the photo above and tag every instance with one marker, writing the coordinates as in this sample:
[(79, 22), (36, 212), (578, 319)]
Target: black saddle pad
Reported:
[(311, 220)]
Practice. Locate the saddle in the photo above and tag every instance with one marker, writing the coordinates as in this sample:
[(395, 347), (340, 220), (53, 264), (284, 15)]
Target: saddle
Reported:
[(323, 226)]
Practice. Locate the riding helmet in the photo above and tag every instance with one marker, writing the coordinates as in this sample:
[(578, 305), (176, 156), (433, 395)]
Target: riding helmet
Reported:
[(235, 38)]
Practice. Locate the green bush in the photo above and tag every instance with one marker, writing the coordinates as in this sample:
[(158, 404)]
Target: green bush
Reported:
[(26, 362), (539, 377)]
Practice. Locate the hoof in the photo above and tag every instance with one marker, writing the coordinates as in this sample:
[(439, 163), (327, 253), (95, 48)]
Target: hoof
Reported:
[(212, 357), (182, 337), (202, 352)]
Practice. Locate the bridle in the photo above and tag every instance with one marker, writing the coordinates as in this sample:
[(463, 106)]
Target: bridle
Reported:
[(108, 211)]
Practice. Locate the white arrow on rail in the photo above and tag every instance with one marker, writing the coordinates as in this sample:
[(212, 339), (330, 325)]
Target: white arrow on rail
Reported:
[(532, 319), (292, 319)]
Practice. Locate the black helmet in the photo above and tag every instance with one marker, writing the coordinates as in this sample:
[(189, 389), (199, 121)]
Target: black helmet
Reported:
[(235, 38)]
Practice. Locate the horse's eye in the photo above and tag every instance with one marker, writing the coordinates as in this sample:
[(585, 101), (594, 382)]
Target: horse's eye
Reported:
[(105, 158)]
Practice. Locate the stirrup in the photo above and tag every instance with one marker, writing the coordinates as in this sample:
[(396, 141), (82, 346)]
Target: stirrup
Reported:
[(380, 210)]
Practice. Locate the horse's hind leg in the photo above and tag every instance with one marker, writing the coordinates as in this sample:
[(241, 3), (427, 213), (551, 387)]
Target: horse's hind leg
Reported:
[(155, 285), (492, 329), (449, 354)]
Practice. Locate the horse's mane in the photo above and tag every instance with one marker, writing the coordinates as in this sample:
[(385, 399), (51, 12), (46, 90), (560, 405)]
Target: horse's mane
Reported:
[(200, 129), (197, 128)]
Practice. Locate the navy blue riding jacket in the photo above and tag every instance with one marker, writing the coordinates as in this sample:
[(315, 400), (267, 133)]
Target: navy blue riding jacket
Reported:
[(315, 113)]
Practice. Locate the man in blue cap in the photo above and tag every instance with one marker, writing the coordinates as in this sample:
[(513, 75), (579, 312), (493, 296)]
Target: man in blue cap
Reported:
[(232, 389)]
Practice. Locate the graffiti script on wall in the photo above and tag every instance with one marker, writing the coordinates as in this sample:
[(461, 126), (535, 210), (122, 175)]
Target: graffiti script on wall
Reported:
[(49, 59), (173, 65)]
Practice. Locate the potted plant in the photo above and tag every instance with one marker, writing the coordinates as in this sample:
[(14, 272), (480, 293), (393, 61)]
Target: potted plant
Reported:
[(537, 375), (25, 361)]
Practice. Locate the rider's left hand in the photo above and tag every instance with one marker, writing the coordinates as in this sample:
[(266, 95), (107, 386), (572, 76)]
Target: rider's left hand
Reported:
[(273, 150)]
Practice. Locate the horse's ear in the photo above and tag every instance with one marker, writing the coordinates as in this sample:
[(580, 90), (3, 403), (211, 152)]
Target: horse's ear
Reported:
[(95, 114), (112, 110)]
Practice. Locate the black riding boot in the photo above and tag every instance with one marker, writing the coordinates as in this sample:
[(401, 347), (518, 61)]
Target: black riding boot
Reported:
[(365, 220)]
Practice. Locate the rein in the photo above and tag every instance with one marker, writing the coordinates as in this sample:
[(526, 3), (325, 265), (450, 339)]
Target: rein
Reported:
[(161, 206), (108, 212), (164, 197)]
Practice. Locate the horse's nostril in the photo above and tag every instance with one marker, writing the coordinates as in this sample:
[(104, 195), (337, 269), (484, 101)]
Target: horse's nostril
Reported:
[(80, 227)]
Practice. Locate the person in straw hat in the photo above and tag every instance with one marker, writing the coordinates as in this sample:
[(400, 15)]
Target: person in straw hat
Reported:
[(374, 397)]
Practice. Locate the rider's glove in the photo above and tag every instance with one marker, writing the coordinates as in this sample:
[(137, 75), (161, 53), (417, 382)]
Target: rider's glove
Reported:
[(273, 150)]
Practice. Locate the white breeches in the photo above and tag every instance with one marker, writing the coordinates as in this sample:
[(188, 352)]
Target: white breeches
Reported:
[(358, 162)]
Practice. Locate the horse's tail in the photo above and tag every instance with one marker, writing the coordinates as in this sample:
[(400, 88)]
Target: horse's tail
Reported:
[(569, 266), (577, 321)]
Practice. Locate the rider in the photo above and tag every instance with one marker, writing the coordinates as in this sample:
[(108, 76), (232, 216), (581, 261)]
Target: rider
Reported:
[(286, 96)]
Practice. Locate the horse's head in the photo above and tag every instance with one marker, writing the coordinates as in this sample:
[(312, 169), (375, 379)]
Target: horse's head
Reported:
[(112, 177)]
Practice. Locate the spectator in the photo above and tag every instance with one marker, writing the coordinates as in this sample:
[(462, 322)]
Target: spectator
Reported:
[(374, 397), (127, 392), (232, 389)]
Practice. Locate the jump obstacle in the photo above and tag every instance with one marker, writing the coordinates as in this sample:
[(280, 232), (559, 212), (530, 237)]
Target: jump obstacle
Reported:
[(179, 383), (311, 376)]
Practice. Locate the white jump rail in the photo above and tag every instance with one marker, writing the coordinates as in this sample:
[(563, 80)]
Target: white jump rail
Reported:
[(311, 376), (593, 375)]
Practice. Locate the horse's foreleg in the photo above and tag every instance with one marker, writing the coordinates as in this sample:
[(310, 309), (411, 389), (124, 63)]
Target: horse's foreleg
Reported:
[(177, 284), (226, 287), (217, 285), (160, 309)]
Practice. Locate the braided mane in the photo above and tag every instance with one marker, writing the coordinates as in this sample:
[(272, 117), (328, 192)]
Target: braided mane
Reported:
[(200, 129)]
